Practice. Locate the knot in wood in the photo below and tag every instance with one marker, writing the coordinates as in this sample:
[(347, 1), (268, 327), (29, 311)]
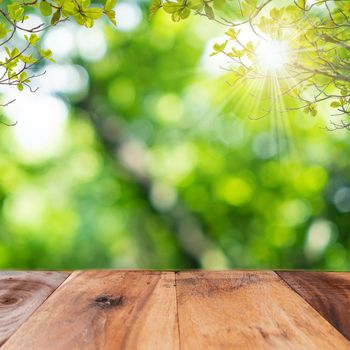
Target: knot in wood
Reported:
[(8, 301), (108, 301)]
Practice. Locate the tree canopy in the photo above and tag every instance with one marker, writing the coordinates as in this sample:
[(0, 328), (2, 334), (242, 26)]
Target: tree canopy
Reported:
[(20, 58), (299, 51), (142, 156)]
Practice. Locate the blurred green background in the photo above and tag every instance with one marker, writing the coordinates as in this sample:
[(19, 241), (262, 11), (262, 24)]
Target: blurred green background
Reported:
[(136, 153)]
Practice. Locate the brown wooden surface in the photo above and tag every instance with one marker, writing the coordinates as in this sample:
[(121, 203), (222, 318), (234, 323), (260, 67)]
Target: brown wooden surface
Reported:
[(21, 293), (167, 310), (105, 310), (327, 292), (248, 310)]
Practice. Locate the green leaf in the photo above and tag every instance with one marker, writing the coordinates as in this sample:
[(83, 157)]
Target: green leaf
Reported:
[(184, 13), (32, 40), (335, 104), (45, 8), (85, 3), (175, 16), (196, 4), (69, 8), (237, 53), (219, 4), (80, 19), (276, 13), (232, 33), (109, 5), (13, 53), (3, 30), (154, 7), (84, 20), (209, 11), (22, 76), (56, 17), (46, 54), (111, 16), (93, 12), (301, 3), (15, 11), (28, 59), (219, 48), (171, 7)]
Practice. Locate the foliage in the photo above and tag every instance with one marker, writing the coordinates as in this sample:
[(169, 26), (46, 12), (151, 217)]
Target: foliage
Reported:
[(18, 62), (317, 36), (159, 166)]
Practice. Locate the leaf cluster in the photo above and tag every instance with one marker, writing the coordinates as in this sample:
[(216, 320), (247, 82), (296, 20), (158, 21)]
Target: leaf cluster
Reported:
[(317, 35), (18, 62)]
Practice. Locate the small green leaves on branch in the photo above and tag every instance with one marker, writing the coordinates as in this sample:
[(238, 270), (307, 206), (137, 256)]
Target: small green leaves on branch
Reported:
[(302, 46), (81, 10), (182, 9), (16, 68)]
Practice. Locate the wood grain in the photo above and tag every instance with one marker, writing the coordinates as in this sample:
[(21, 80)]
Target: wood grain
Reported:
[(327, 292), (21, 293), (105, 310), (248, 310)]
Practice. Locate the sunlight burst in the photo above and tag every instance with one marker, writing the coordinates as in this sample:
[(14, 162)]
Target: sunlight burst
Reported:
[(272, 55)]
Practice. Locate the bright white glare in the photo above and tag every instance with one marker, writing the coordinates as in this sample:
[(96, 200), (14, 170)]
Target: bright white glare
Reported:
[(246, 35), (91, 43), (61, 40), (40, 124), (70, 79), (65, 41), (128, 16), (317, 5), (272, 55), (318, 238)]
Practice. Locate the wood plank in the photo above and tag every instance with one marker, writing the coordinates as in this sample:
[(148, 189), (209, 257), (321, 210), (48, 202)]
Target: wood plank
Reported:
[(327, 292), (21, 293), (248, 310), (105, 310)]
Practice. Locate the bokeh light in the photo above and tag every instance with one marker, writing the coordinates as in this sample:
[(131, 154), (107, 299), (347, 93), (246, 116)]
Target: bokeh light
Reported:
[(137, 151)]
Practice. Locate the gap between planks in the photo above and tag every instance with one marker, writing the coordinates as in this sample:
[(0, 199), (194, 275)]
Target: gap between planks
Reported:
[(21, 294), (105, 310), (248, 310), (175, 310), (327, 292)]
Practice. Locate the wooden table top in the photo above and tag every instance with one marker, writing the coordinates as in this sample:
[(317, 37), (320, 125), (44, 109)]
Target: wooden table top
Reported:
[(110, 309)]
